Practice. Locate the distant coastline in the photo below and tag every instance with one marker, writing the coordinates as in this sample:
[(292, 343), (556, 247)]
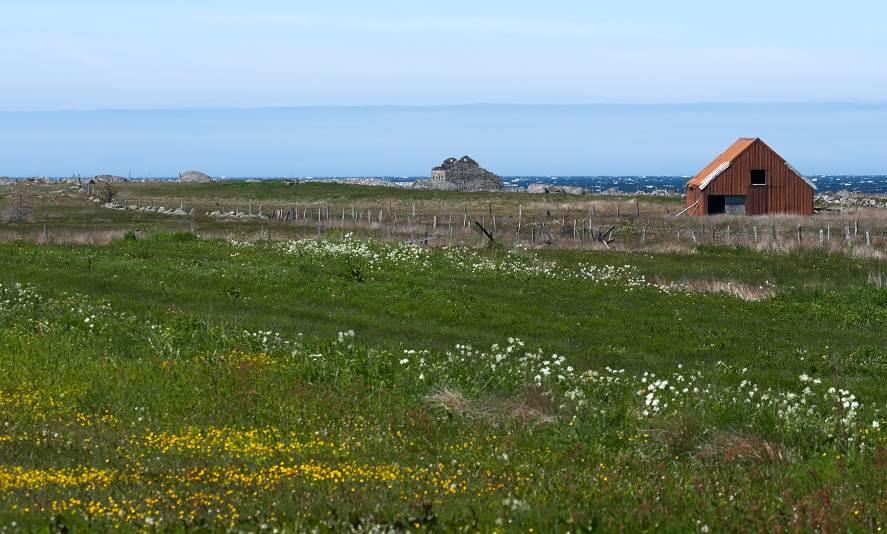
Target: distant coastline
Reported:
[(873, 184)]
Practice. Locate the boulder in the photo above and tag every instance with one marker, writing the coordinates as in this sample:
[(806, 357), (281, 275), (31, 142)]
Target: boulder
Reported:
[(194, 177), (569, 190), (537, 189)]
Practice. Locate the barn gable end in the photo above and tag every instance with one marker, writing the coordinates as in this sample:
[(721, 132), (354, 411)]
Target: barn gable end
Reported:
[(725, 184)]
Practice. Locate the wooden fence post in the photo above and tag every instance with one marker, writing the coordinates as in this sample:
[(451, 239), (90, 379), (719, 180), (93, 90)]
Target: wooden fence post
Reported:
[(520, 213)]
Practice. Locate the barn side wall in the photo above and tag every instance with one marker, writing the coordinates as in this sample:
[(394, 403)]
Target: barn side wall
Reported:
[(786, 191), (694, 194)]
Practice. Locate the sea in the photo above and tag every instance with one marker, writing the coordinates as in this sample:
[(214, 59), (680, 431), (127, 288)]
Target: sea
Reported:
[(875, 184), (634, 184)]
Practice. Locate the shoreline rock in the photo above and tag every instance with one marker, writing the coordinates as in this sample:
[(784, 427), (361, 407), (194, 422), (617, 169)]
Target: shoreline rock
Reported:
[(847, 199)]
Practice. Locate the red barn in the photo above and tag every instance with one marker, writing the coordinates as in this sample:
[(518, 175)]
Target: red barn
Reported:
[(749, 178)]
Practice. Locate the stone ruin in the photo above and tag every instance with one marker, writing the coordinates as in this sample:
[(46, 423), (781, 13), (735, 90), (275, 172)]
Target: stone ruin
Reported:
[(463, 174)]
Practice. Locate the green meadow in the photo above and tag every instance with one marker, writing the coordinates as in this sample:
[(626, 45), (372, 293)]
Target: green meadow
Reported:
[(219, 378), (172, 382)]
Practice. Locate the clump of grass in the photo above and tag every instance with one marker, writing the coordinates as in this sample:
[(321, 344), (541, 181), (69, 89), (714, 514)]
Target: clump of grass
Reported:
[(530, 410), (449, 400), (732, 447), (678, 435), (746, 292)]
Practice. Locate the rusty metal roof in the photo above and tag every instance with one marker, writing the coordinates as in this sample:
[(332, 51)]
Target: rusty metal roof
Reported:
[(721, 163)]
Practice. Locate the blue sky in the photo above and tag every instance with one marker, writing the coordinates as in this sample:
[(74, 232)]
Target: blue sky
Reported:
[(109, 54), (235, 60)]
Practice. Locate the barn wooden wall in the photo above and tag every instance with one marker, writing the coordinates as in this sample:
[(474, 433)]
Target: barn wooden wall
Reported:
[(786, 192), (693, 195)]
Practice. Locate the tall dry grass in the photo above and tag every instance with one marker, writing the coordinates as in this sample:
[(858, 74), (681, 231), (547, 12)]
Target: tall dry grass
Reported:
[(63, 236)]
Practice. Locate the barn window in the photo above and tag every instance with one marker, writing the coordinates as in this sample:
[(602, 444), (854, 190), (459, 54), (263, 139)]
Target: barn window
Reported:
[(759, 177)]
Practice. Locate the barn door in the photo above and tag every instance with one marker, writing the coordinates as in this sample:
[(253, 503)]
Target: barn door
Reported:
[(756, 204)]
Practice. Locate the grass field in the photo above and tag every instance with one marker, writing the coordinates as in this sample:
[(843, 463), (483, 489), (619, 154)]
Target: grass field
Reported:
[(171, 381)]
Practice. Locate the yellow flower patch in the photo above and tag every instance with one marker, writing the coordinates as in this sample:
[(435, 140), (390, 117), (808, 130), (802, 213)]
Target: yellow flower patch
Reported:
[(16, 477), (253, 443)]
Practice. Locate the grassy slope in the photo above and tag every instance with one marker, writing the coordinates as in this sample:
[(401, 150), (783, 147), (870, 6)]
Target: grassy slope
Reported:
[(824, 322), (260, 289)]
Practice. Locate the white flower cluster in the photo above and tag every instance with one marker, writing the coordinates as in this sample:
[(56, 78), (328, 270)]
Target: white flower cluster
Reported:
[(517, 262), (831, 412), (346, 339), (17, 295), (266, 340), (514, 263), (375, 255), (625, 275)]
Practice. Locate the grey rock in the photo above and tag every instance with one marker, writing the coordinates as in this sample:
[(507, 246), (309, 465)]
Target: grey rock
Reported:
[(566, 190), (194, 177), (537, 189), (108, 179)]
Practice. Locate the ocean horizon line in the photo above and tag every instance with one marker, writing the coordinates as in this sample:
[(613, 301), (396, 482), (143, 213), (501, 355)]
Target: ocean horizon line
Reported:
[(464, 105)]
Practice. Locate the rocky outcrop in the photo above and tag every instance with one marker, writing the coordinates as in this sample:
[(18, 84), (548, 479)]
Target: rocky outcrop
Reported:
[(463, 174), (108, 179), (845, 199), (541, 189), (566, 190), (194, 177)]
